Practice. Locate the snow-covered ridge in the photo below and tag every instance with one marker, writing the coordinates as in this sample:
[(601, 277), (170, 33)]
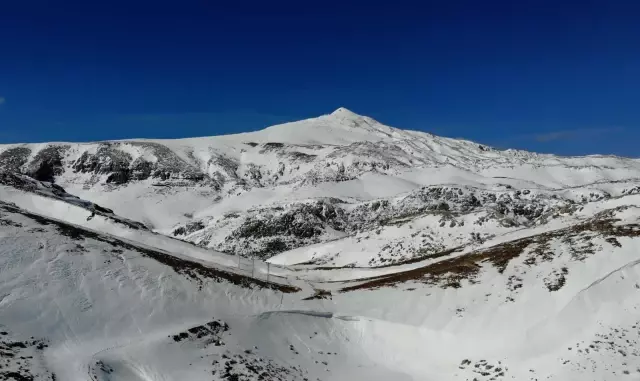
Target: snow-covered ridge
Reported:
[(342, 136)]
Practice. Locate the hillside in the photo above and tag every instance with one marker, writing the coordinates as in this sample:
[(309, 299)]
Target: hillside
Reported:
[(334, 248), (336, 177)]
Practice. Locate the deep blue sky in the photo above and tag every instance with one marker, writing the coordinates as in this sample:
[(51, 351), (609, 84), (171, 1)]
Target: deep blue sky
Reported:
[(554, 76)]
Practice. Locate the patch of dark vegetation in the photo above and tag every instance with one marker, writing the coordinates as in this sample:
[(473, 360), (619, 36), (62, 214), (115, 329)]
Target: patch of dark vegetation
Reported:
[(440, 254), (271, 247), (514, 282), (189, 228), (101, 209), (450, 273), (422, 256), (634, 190), (252, 144), (485, 369), (613, 241), (556, 279), (251, 367), (541, 252), (17, 376), (181, 336), (605, 224), (193, 270), (210, 332), (301, 156), (395, 255), (320, 294), (17, 361), (273, 145)]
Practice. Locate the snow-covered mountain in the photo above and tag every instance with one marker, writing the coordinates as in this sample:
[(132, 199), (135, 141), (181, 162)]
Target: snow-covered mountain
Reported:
[(334, 248), (318, 180)]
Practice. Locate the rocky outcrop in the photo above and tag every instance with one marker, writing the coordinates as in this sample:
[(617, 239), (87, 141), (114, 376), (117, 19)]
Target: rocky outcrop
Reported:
[(302, 221), (14, 158), (47, 163), (266, 231), (121, 168)]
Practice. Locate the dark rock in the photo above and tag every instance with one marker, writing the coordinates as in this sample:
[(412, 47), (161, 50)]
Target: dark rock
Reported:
[(303, 221), (47, 164), (140, 169)]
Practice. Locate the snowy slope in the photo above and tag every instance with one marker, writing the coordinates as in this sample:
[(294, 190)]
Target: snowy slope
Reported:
[(390, 254), (559, 304)]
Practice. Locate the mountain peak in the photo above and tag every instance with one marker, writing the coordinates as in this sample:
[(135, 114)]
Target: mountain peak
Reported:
[(345, 113)]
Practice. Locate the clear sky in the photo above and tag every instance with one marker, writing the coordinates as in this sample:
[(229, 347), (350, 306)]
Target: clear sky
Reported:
[(553, 76)]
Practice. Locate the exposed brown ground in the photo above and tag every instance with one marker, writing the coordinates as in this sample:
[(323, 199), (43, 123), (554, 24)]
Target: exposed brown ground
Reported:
[(451, 272)]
